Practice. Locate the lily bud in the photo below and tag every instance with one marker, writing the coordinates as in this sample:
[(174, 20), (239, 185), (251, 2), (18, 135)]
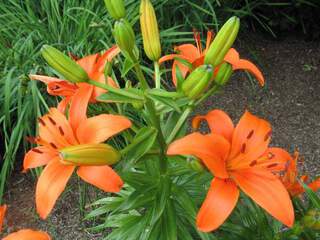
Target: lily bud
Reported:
[(124, 36), (222, 42), (115, 8), (150, 31), (224, 73), (72, 71), (89, 155), (197, 81)]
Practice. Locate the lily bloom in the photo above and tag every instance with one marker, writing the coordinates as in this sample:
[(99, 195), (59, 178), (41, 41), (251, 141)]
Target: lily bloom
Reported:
[(238, 158), (195, 56), (3, 210), (94, 66), (28, 234), (291, 175), (56, 132)]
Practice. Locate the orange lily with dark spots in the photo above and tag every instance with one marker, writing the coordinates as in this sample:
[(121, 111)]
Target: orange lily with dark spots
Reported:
[(291, 175), (56, 132), (94, 66), (195, 56), (237, 157), (28, 234)]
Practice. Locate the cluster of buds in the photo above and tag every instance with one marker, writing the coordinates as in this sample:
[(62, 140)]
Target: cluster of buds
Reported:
[(199, 80)]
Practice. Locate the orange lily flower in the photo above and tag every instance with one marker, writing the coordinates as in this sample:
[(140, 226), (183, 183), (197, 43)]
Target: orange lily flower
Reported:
[(291, 175), (195, 55), (3, 210), (94, 66), (238, 157), (57, 132), (28, 234)]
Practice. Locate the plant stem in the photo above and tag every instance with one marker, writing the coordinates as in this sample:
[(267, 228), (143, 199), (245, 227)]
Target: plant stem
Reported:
[(154, 119), (179, 124), (157, 74)]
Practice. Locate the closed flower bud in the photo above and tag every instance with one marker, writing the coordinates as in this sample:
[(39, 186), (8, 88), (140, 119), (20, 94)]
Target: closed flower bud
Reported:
[(197, 81), (115, 8), (89, 155), (222, 42), (150, 31), (124, 36), (72, 71), (224, 73)]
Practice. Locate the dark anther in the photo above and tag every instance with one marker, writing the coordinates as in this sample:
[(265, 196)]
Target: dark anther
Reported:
[(36, 150), (53, 145), (52, 121), (243, 148), (253, 163), (250, 134), (41, 121), (61, 131)]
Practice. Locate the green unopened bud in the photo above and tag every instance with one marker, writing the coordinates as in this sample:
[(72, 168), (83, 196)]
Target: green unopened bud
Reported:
[(124, 36), (108, 69), (224, 73), (222, 42), (150, 31), (72, 71), (197, 81), (115, 8), (89, 155)]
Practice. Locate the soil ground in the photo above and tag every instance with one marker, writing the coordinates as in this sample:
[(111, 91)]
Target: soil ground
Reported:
[(290, 101)]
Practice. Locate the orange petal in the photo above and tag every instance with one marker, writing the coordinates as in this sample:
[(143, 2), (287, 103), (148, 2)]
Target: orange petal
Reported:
[(63, 104), (268, 192), (250, 140), (233, 58), (211, 149), (250, 67), (50, 185), (99, 128), (88, 63), (221, 199), (169, 57), (55, 129), (188, 51), (28, 234), (3, 209), (219, 123), (183, 69), (103, 177), (79, 104), (275, 159), (45, 79), (315, 185), (106, 57), (37, 157), (62, 88)]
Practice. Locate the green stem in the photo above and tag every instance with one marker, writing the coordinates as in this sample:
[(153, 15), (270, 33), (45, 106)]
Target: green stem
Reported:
[(113, 90), (157, 74), (179, 124), (154, 119), (212, 91)]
